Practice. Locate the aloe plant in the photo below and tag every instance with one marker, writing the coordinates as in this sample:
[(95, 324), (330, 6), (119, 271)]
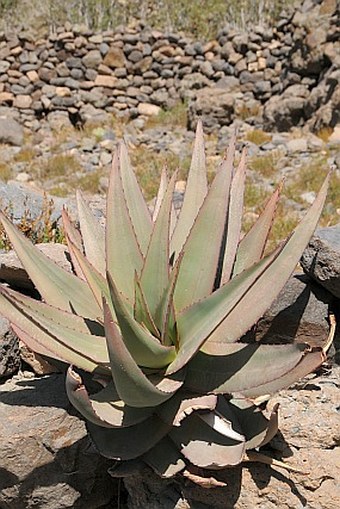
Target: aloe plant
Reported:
[(156, 310)]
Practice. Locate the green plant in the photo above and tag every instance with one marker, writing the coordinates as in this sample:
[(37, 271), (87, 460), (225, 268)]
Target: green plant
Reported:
[(39, 229), (60, 165), (197, 17), (308, 179), (175, 116), (157, 310), (265, 165)]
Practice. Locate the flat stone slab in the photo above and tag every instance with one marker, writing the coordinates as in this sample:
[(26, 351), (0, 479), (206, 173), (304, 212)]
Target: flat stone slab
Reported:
[(46, 458), (321, 258), (13, 273)]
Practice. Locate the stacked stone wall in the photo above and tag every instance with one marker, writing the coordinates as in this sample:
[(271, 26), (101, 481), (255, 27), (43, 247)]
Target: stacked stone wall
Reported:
[(274, 76)]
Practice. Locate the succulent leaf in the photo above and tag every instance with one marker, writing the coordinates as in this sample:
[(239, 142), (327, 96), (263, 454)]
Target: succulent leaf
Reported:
[(72, 235), (309, 363), (165, 458), (142, 312), (92, 234), (96, 282), (244, 368), (55, 285), (155, 272), (264, 291), (257, 429), (198, 269), (132, 385), (123, 255), (165, 314), (143, 346), (163, 184), (105, 407), (137, 207), (252, 246), (206, 447), (84, 343), (195, 192), (52, 313), (128, 443), (183, 404), (234, 219)]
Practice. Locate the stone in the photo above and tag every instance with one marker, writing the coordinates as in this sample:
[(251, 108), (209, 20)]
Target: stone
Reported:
[(22, 101), (297, 145), (299, 313), (92, 59), (214, 105), (9, 350), (13, 273), (262, 87), (148, 109), (135, 56), (46, 458), (4, 66), (104, 69), (63, 70), (6, 97), (282, 113), (321, 258), (58, 119), (114, 58), (11, 132), (23, 176), (335, 136), (33, 76), (105, 81), (63, 91), (38, 363)]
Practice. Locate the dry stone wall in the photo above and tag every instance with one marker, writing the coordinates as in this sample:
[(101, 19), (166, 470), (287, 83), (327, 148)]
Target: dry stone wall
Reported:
[(274, 76)]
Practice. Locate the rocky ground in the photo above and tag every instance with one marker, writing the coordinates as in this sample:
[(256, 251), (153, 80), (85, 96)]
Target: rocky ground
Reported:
[(61, 160), (46, 454)]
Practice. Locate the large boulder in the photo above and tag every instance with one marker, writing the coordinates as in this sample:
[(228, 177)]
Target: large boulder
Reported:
[(20, 200), (215, 106), (299, 313), (11, 131), (46, 458), (282, 112), (321, 259)]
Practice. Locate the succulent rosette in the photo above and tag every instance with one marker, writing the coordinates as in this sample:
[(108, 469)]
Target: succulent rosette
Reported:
[(156, 309)]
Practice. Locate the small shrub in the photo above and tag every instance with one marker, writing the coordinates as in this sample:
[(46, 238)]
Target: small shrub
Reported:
[(324, 133), (38, 229), (265, 165), (176, 116), (308, 180), (5, 172), (60, 165), (258, 137), (26, 155)]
